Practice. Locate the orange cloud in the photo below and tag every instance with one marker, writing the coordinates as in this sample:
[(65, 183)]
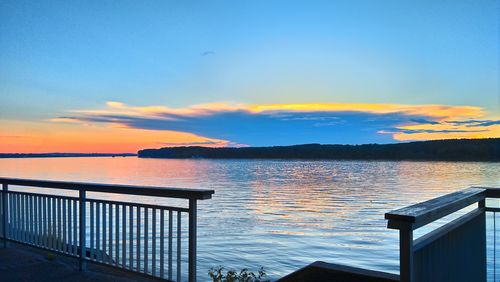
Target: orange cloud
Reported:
[(106, 129), (34, 137), (436, 111)]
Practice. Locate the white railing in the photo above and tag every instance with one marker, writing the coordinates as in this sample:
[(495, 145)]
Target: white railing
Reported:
[(144, 238)]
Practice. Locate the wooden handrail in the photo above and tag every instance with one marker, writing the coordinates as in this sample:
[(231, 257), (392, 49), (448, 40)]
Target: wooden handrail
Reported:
[(423, 213), (409, 218), (183, 193)]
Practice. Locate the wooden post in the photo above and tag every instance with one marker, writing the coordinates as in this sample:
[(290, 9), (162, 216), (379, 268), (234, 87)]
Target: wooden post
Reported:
[(82, 254), (192, 240), (5, 216), (406, 253)]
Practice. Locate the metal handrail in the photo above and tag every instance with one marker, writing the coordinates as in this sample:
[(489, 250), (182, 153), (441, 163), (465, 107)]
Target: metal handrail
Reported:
[(60, 224), (168, 192)]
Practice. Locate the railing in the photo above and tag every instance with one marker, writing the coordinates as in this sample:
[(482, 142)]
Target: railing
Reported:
[(144, 238), (455, 251)]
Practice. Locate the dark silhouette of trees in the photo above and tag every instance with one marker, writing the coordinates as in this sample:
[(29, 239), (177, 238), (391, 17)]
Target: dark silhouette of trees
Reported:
[(445, 150)]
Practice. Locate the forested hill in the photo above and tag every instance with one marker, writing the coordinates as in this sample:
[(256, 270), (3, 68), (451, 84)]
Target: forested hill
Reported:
[(446, 150)]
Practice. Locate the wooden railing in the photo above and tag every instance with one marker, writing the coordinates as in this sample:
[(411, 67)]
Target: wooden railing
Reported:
[(455, 251), (138, 237)]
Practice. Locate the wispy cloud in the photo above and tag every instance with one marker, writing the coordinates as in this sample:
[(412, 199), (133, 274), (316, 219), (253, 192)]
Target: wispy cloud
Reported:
[(207, 53), (280, 124)]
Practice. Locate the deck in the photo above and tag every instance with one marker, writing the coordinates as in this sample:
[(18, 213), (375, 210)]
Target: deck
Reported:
[(22, 263)]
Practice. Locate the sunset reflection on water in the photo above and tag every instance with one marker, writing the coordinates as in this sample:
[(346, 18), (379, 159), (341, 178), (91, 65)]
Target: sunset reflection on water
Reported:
[(280, 214)]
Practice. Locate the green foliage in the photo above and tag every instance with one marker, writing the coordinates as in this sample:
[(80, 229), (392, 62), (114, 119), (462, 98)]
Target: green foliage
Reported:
[(219, 274)]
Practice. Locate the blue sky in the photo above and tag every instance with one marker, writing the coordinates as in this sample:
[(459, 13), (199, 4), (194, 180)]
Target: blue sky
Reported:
[(63, 56)]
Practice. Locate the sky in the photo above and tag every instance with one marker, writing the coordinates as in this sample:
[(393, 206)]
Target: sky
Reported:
[(120, 76)]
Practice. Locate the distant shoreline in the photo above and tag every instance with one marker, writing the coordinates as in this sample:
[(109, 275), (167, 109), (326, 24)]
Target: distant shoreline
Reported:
[(61, 155), (487, 149)]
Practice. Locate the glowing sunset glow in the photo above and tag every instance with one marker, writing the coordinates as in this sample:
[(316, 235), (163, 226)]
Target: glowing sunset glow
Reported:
[(227, 74), (122, 128), (36, 138)]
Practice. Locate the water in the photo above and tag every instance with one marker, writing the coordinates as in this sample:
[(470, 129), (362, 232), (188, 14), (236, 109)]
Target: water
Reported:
[(282, 214)]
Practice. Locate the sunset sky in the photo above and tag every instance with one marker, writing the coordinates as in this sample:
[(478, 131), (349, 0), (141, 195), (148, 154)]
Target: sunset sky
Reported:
[(119, 76)]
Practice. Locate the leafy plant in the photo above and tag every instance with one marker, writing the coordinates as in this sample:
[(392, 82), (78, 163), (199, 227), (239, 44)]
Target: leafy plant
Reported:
[(219, 274)]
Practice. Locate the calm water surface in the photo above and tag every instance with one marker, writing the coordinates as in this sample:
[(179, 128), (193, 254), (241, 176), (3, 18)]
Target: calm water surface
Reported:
[(281, 214)]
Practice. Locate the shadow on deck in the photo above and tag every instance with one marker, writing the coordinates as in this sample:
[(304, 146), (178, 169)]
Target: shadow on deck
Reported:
[(322, 271), (22, 263)]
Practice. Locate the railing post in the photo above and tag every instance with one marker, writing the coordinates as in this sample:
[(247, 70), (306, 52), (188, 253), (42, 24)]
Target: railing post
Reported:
[(82, 217), (406, 253), (192, 240), (5, 189)]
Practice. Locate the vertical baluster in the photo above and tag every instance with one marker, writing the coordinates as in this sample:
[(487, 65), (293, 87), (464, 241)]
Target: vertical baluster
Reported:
[(70, 227), (19, 222), (82, 199), (146, 219), (170, 235), (24, 213), (49, 220), (23, 217), (192, 240), (98, 231), (12, 216), (10, 198), (35, 220), (65, 226), (10, 229), (75, 226), (9, 214), (131, 237), (124, 238), (162, 243), (92, 230), (117, 232), (59, 227), (40, 221), (104, 259), (45, 229), (178, 246), (28, 219), (138, 239), (29, 225), (110, 229), (54, 223), (153, 243), (18, 217)]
